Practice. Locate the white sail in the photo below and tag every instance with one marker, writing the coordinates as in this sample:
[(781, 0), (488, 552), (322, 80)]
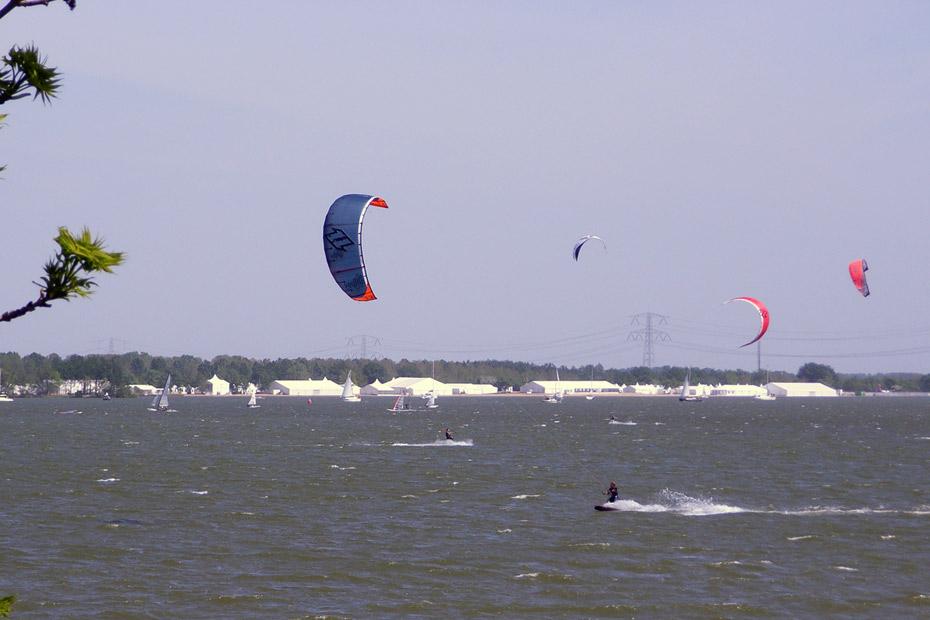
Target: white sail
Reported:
[(253, 402), (557, 397), (686, 390), (161, 400), (347, 394), (431, 399)]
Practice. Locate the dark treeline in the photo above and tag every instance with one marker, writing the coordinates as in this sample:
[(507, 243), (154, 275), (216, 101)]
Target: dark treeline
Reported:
[(114, 373)]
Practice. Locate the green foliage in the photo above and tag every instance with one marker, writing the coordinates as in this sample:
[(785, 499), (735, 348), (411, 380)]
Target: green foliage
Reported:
[(65, 274), (23, 72), (68, 273), (114, 372), (6, 605), (817, 373), (924, 383)]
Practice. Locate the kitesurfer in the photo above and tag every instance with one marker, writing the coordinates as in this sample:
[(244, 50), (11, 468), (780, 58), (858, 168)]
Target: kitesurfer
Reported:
[(448, 434), (611, 493)]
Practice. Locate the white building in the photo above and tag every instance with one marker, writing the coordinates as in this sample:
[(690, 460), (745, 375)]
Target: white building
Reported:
[(569, 387), (471, 388), (310, 387), (644, 389), (421, 386), (417, 386), (739, 390), (217, 386), (144, 388), (799, 389), (376, 388)]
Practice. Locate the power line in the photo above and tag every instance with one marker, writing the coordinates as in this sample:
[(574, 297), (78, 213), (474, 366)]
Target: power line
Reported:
[(649, 334), (359, 345)]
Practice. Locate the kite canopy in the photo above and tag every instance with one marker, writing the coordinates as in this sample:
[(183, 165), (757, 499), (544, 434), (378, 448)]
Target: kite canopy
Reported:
[(763, 314), (584, 240), (342, 243), (857, 270)]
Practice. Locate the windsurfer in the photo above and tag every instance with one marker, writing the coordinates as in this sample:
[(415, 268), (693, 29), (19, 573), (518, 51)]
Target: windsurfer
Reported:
[(611, 493)]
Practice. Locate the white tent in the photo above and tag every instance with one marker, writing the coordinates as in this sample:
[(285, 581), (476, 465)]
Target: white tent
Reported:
[(218, 386), (310, 387), (738, 390), (799, 389)]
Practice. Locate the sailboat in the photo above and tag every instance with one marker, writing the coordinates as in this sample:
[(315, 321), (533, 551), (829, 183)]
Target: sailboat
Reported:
[(590, 394), (400, 404), (685, 391), (3, 397), (253, 401), (557, 397), (160, 403), (431, 396), (347, 395)]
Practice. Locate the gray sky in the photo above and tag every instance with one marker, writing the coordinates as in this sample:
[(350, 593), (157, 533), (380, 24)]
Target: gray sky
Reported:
[(720, 150)]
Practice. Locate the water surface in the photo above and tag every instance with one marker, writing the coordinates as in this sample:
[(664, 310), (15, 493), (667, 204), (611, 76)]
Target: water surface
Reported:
[(732, 508)]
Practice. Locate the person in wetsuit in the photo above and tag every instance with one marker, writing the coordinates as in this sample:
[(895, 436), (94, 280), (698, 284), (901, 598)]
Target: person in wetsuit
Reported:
[(448, 434), (611, 493)]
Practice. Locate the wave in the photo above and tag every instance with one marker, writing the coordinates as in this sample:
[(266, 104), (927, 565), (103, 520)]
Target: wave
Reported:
[(439, 443), (840, 510), (628, 423), (669, 501), (676, 502)]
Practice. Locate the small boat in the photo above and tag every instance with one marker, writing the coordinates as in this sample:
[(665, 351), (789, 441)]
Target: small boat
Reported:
[(764, 397), (431, 395), (557, 397), (686, 396), (3, 397), (161, 399), (401, 404), (253, 402), (106, 396), (347, 395)]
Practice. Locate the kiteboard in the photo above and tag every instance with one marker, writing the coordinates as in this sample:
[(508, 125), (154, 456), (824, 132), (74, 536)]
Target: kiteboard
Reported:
[(606, 507)]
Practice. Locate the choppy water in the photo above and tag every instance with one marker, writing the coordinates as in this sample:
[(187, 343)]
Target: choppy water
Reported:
[(802, 508)]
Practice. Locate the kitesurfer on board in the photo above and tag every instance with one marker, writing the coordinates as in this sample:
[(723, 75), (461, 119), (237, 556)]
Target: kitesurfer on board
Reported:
[(611, 493), (448, 434)]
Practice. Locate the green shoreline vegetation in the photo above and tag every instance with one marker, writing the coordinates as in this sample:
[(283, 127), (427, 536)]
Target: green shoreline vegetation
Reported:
[(115, 373)]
